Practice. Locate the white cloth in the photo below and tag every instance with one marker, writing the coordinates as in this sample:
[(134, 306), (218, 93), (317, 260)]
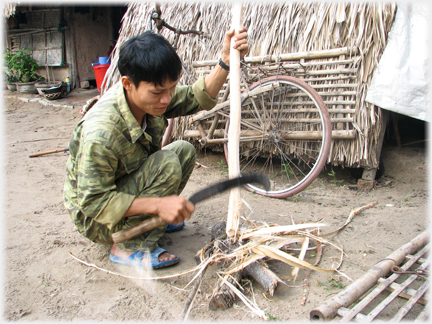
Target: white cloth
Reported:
[(400, 81)]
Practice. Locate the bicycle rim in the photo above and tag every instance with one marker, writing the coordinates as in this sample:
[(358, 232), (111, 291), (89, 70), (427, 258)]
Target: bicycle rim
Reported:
[(285, 133)]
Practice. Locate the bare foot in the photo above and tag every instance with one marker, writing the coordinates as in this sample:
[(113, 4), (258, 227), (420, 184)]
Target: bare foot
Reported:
[(118, 252)]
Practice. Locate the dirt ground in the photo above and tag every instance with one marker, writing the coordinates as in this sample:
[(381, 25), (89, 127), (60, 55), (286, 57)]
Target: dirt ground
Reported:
[(43, 282)]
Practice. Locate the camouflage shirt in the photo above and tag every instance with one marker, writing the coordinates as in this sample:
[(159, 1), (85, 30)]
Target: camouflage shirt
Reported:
[(107, 144)]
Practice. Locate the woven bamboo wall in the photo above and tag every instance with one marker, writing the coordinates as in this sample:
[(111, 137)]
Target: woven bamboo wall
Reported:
[(334, 74)]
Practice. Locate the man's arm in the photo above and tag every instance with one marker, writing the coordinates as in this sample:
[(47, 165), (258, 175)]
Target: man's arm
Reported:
[(172, 209), (99, 199), (215, 80)]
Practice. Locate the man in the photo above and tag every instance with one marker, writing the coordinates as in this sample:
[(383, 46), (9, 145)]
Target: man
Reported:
[(117, 173)]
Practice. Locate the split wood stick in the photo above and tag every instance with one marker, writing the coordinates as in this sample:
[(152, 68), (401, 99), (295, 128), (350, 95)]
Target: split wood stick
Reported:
[(38, 140), (49, 152), (234, 130), (303, 250), (185, 313), (305, 289)]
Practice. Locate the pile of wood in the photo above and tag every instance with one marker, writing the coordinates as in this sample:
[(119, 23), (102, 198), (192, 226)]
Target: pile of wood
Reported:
[(247, 255)]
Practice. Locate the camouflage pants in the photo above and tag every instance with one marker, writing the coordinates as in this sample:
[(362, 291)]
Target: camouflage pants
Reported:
[(164, 173)]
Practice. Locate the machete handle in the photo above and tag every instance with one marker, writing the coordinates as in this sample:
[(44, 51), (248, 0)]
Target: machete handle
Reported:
[(152, 223), (145, 226)]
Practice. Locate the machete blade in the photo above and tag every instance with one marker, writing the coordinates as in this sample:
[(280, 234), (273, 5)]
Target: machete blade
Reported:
[(229, 184)]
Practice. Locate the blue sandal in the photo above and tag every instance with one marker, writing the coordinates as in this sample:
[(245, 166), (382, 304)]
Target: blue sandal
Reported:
[(135, 259), (174, 228)]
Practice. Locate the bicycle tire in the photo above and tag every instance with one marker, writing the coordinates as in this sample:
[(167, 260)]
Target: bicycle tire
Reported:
[(294, 110)]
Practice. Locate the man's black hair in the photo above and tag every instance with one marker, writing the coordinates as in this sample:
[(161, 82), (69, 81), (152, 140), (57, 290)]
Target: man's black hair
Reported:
[(149, 57)]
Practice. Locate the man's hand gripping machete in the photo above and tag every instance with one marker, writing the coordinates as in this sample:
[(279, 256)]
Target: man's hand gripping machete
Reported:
[(201, 195)]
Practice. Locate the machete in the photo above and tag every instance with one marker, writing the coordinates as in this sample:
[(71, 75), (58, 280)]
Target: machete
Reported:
[(197, 197)]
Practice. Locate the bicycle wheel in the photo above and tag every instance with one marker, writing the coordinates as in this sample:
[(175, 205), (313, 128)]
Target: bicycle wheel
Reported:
[(285, 133)]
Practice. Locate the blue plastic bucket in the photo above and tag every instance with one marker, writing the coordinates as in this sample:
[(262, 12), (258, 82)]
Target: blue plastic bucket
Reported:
[(103, 59)]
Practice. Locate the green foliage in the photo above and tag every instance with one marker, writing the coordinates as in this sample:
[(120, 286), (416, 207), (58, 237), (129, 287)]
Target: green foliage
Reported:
[(20, 65), (337, 182), (335, 283), (272, 318), (221, 164), (287, 170), (10, 78)]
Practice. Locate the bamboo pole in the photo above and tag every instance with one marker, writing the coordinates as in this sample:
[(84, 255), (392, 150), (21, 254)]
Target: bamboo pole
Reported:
[(288, 135), (328, 310), (290, 56), (234, 130)]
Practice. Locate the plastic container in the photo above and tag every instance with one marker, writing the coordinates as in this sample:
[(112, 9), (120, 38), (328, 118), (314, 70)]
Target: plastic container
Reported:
[(104, 60), (67, 84), (100, 71)]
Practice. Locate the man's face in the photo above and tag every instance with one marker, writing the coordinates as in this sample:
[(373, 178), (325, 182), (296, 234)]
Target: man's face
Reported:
[(148, 98)]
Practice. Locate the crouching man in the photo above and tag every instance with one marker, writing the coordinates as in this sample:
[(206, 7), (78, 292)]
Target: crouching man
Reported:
[(117, 173)]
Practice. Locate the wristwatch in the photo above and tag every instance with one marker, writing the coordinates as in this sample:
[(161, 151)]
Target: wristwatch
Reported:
[(223, 65)]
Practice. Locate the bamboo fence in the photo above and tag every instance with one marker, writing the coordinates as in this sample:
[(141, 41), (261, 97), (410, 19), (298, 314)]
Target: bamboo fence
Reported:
[(367, 293), (290, 34)]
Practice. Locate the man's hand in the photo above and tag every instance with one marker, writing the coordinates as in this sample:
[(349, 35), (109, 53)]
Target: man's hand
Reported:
[(174, 209), (216, 78), (240, 43)]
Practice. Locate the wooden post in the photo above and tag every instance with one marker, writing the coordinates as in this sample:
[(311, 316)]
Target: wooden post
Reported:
[(234, 130), (369, 174)]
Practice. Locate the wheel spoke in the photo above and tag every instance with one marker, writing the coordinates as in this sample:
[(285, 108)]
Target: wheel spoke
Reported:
[(295, 135)]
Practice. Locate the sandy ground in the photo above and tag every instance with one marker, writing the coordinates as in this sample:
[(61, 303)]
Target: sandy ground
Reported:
[(43, 282)]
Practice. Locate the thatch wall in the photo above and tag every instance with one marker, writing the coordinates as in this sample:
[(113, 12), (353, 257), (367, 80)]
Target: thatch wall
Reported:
[(278, 28)]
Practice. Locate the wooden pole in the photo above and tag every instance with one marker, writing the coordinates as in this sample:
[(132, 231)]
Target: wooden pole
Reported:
[(234, 130)]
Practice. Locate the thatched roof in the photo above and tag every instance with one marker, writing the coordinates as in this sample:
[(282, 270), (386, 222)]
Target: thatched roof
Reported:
[(284, 27), (273, 27)]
